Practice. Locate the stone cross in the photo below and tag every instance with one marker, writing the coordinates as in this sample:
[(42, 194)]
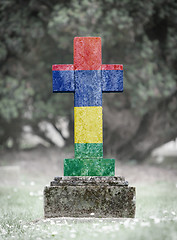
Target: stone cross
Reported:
[(88, 78)]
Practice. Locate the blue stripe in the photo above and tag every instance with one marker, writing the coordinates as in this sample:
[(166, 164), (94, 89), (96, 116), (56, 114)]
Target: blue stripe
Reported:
[(63, 81), (88, 84), (112, 80), (88, 90)]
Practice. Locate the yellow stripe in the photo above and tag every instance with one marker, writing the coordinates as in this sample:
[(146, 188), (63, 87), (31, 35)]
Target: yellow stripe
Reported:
[(88, 125)]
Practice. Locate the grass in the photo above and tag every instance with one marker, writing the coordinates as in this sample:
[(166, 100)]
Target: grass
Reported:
[(21, 202), (21, 216)]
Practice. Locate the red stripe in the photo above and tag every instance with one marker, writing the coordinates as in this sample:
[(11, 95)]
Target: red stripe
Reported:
[(87, 53), (112, 67), (62, 67), (65, 67)]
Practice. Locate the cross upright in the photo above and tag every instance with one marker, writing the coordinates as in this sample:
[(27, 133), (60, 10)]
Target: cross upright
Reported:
[(88, 78)]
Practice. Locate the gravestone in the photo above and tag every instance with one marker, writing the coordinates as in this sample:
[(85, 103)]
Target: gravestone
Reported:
[(88, 187)]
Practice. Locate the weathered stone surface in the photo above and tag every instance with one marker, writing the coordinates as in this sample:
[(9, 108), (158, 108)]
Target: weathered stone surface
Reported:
[(89, 180), (88, 196), (92, 197)]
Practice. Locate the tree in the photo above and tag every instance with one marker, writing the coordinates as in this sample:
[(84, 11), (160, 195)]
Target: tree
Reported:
[(141, 35)]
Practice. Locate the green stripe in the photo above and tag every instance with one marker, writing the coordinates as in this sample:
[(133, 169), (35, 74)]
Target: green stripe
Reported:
[(88, 150), (89, 167)]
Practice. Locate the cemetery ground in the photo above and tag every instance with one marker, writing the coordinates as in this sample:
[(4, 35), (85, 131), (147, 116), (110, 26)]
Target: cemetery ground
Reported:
[(24, 174)]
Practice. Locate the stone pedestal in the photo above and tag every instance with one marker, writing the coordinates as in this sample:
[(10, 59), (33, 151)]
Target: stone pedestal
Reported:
[(89, 197)]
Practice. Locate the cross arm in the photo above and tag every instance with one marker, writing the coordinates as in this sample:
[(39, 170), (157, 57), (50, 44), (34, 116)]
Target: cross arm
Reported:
[(63, 78), (112, 78)]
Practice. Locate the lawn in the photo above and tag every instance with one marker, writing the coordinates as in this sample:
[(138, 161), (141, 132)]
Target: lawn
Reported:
[(21, 211)]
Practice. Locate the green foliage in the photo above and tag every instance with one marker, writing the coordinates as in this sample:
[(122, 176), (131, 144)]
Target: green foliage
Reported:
[(15, 95), (36, 34)]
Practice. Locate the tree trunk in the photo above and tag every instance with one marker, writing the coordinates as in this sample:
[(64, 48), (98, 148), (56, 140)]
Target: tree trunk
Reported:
[(155, 128)]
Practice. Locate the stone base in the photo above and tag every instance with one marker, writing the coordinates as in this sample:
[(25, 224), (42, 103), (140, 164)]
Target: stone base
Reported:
[(106, 197)]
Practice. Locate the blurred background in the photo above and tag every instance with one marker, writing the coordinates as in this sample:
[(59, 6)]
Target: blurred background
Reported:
[(36, 125), (141, 35)]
